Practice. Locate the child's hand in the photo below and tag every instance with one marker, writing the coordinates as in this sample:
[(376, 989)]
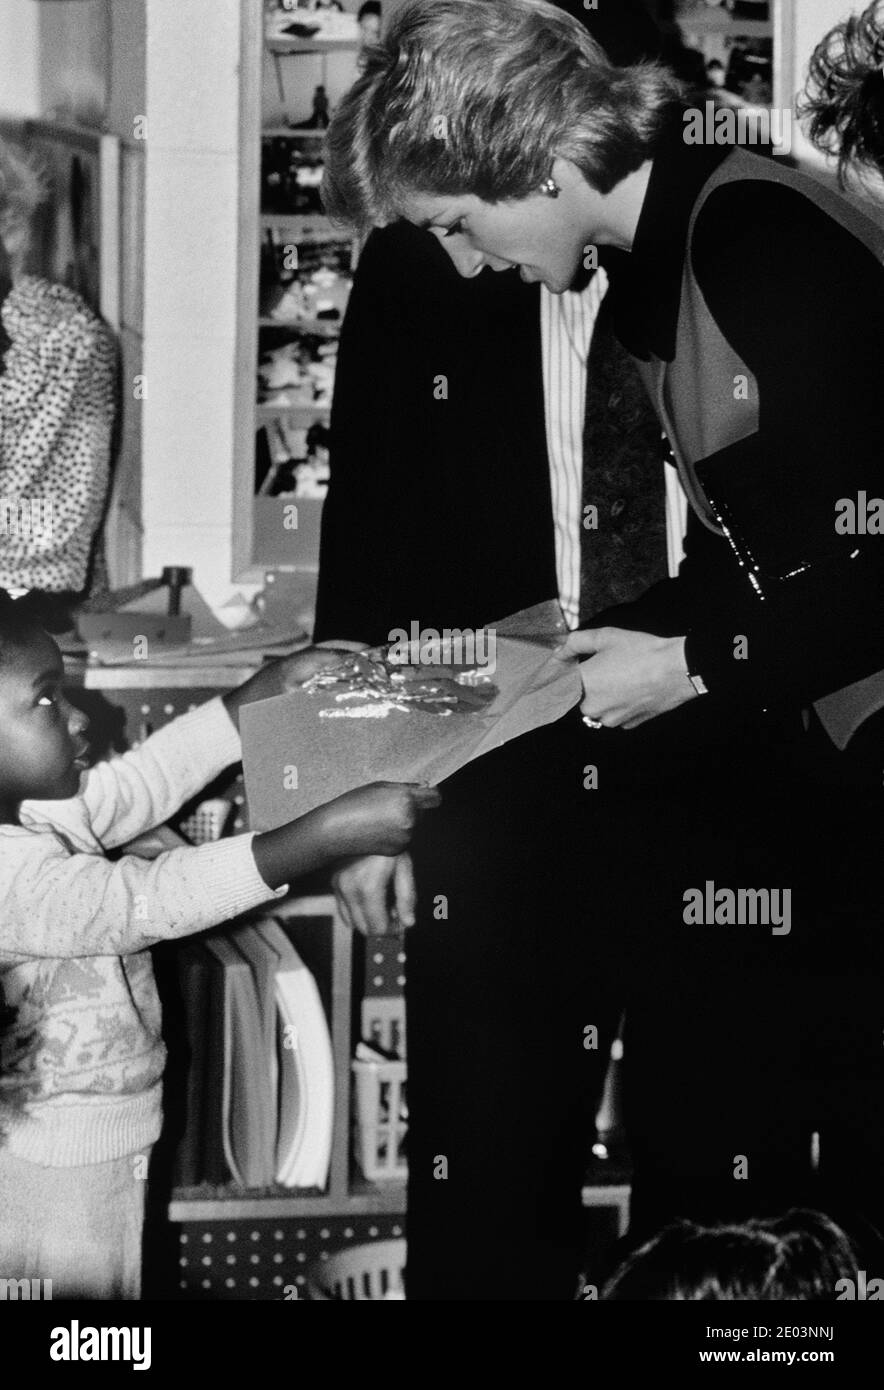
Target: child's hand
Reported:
[(377, 819), (295, 670), (277, 677)]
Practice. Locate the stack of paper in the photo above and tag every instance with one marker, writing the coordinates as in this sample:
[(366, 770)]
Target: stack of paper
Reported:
[(260, 1093)]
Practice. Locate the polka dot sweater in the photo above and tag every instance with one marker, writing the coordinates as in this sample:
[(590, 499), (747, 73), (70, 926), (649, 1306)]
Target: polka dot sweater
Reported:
[(57, 402)]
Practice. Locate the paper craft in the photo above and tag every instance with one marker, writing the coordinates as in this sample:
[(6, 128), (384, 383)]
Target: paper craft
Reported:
[(300, 752), (374, 685)]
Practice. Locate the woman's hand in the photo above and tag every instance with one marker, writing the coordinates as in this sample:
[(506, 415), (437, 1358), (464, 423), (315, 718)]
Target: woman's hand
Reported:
[(376, 895), (630, 677)]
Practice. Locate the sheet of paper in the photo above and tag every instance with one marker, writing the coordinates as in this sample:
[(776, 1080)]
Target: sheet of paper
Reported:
[(295, 757)]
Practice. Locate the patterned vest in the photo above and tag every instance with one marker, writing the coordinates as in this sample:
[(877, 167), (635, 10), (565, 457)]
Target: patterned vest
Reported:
[(625, 552)]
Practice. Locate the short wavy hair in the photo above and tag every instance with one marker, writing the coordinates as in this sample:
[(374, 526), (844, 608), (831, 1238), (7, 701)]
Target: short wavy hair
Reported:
[(844, 94), (464, 96)]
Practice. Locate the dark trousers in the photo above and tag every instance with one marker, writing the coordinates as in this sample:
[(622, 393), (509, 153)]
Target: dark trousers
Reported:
[(754, 1063), (500, 993), (548, 852), (566, 904)]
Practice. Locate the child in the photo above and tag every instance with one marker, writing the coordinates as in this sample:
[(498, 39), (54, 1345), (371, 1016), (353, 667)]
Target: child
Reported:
[(81, 1057), (800, 1256)]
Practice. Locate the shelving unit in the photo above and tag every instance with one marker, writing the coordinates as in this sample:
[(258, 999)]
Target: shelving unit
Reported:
[(276, 1221), (275, 107), (715, 30), (283, 1228), (345, 1196)]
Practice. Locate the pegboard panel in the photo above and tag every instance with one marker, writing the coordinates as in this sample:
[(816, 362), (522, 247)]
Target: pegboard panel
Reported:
[(384, 965), (147, 710), (261, 1260)]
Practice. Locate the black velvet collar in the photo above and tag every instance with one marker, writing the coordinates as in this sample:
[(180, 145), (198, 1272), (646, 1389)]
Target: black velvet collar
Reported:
[(646, 281)]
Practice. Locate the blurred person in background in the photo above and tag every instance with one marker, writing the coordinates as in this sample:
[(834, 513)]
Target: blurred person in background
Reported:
[(57, 410), (844, 94)]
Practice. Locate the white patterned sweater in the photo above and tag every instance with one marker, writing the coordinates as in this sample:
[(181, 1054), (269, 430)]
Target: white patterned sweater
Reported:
[(81, 1056), (57, 405)]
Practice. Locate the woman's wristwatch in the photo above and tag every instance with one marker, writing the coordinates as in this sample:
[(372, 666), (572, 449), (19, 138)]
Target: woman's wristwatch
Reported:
[(698, 683)]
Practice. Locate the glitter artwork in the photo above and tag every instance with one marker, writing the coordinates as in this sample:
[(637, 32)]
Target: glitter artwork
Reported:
[(367, 685)]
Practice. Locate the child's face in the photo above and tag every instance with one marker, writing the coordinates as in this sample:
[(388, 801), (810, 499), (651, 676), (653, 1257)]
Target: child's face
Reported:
[(42, 738)]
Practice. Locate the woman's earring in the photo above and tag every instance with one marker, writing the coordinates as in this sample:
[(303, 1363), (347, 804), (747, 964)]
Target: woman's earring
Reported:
[(550, 188)]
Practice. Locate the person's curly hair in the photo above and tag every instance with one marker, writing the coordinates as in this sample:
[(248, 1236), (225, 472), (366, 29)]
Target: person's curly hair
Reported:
[(844, 94)]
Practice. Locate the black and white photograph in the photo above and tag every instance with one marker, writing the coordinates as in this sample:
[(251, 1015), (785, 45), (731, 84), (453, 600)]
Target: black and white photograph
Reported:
[(442, 671)]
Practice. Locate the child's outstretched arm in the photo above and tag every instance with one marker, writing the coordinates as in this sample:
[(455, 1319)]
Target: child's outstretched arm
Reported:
[(59, 903), (377, 819), (139, 790)]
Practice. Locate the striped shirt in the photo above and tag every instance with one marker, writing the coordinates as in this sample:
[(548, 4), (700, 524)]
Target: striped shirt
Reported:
[(567, 322)]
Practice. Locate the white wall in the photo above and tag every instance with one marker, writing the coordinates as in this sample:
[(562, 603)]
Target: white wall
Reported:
[(19, 58), (190, 278), (75, 59)]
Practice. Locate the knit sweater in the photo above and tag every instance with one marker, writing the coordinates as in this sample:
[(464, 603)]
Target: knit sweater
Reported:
[(81, 1054)]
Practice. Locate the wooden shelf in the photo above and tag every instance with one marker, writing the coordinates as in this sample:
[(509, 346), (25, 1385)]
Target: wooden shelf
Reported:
[(306, 414), (364, 1199), (283, 48), (144, 676), (232, 1204), (319, 328), (309, 226), (287, 132), (717, 22)]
